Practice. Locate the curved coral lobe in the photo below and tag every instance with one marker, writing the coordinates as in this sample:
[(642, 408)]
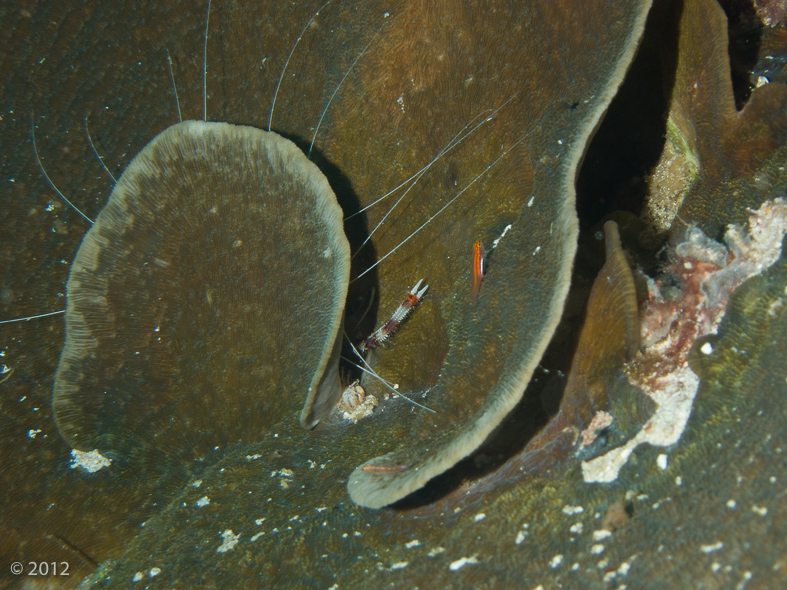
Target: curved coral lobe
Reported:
[(610, 334), (596, 396), (216, 244), (517, 170)]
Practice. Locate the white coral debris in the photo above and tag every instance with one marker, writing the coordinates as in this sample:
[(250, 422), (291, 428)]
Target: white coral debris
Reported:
[(673, 387)]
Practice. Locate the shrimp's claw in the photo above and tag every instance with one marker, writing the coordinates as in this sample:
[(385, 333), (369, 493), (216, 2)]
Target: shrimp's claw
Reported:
[(418, 294)]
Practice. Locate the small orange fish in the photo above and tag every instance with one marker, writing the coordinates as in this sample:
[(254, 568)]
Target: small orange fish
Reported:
[(479, 267)]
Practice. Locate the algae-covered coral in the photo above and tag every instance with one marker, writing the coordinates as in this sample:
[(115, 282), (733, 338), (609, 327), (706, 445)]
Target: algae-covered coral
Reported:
[(425, 76)]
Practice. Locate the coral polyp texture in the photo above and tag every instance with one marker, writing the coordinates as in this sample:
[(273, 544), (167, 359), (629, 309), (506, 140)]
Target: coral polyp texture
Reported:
[(189, 424)]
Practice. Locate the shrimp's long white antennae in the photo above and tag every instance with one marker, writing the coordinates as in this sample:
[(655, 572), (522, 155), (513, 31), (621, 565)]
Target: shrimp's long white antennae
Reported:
[(444, 207), (174, 86), (448, 147), (33, 317), (368, 372), (330, 100), (95, 151), (454, 141), (372, 372), (286, 63), (204, 70), (49, 180)]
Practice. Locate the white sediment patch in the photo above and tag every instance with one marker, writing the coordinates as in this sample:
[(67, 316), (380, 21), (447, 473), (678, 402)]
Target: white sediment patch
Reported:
[(572, 509), (90, 462), (711, 548), (505, 231), (230, 540), (601, 534), (462, 562)]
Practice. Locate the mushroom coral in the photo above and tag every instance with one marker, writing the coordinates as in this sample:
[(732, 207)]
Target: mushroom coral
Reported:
[(523, 88)]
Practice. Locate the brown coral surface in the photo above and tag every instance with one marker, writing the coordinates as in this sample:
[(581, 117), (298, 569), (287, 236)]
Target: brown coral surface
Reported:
[(594, 499)]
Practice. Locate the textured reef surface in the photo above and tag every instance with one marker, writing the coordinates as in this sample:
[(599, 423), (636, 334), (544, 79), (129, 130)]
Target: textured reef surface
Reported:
[(643, 447)]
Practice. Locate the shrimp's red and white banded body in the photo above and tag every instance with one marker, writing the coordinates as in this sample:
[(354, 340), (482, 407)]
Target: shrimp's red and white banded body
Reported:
[(382, 333)]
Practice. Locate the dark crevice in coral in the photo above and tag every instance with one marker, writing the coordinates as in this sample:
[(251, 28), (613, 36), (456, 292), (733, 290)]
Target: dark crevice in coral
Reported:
[(744, 30), (629, 141)]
